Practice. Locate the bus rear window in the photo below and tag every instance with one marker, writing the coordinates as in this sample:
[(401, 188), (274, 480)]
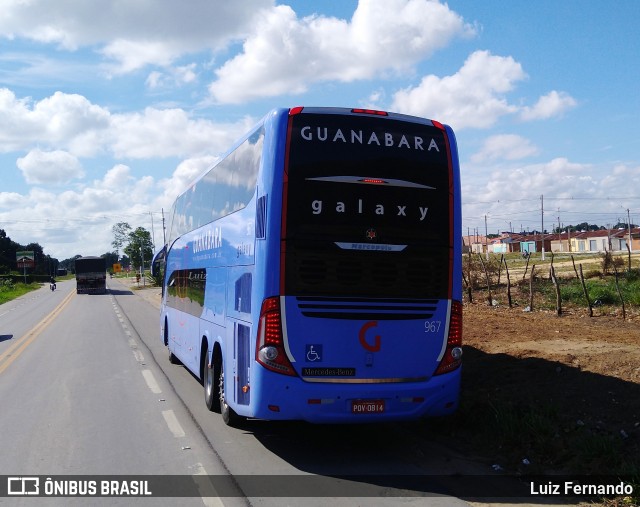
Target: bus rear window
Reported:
[(368, 208)]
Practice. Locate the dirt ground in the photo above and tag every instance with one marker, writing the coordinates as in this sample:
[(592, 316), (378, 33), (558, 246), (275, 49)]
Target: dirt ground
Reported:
[(588, 368)]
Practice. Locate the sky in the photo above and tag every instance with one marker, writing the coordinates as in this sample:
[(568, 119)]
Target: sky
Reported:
[(109, 109)]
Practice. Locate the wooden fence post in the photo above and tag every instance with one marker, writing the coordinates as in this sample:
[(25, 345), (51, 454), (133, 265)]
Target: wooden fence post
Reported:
[(557, 287), (506, 269), (624, 313), (486, 275), (586, 293), (533, 268)]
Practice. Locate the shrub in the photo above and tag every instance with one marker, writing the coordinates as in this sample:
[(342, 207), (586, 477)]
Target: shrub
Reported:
[(6, 284)]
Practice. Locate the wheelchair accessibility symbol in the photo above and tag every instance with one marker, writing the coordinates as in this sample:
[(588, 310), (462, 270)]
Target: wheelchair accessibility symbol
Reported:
[(314, 353)]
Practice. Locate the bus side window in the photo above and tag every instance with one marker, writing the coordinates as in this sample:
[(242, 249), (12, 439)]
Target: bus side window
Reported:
[(243, 294)]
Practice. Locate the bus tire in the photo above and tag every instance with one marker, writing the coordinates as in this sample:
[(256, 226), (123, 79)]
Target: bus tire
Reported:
[(229, 416), (211, 387)]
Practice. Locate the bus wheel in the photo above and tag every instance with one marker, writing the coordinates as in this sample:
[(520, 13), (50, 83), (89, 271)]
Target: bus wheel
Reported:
[(229, 416), (211, 389)]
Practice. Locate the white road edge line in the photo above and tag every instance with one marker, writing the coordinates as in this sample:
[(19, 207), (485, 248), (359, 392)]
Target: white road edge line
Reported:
[(138, 355), (209, 494), (172, 421), (151, 381), (169, 416)]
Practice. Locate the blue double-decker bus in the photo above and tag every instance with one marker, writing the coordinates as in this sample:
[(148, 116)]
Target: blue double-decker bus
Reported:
[(314, 272)]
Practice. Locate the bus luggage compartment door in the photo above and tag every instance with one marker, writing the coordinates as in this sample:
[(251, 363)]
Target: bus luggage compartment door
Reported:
[(241, 367)]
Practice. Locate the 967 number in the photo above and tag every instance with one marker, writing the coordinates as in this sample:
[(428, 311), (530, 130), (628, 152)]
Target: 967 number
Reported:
[(432, 326)]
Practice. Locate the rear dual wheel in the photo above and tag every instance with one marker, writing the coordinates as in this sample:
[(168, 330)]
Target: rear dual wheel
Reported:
[(211, 392), (229, 416)]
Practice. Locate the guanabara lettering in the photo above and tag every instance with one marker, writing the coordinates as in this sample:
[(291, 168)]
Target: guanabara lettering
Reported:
[(386, 139)]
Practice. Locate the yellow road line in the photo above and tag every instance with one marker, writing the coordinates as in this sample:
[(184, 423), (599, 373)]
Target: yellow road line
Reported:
[(10, 355)]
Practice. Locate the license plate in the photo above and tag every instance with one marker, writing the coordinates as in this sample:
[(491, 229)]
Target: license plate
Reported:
[(367, 406)]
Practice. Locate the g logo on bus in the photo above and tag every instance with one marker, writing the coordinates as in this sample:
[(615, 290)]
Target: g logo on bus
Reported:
[(363, 339)]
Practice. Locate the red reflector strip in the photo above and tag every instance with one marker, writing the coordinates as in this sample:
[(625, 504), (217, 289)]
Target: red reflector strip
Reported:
[(273, 408), (437, 124), (295, 110), (370, 111), (374, 181), (319, 401)]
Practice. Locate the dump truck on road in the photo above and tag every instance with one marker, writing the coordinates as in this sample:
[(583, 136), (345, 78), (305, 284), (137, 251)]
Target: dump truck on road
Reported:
[(91, 275)]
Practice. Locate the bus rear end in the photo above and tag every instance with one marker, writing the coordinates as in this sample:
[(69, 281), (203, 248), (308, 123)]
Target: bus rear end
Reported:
[(368, 323)]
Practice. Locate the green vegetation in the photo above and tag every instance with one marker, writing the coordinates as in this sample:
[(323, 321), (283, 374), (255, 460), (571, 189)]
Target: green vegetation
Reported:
[(604, 287), (10, 290), (518, 416), (535, 432)]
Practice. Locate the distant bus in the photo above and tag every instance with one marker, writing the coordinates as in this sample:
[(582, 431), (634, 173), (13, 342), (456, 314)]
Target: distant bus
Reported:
[(314, 272)]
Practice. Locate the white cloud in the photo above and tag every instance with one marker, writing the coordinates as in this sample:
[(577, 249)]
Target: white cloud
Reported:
[(118, 176), (557, 176), (177, 76), (135, 33), (10, 200), (511, 195), (553, 104), (73, 123), (61, 221), (63, 120), (285, 54), (573, 192), (473, 97), (133, 55), (158, 133), (49, 168), (622, 176), (476, 95), (504, 147)]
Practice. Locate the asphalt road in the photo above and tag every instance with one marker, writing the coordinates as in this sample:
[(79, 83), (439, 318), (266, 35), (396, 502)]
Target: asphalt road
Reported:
[(86, 388)]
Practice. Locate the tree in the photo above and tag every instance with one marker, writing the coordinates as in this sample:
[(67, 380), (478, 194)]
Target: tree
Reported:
[(121, 232), (8, 249), (140, 247), (69, 264), (110, 258)]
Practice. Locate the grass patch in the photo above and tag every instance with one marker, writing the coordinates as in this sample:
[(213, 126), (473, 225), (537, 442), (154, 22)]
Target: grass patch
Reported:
[(10, 290), (603, 290), (533, 438)]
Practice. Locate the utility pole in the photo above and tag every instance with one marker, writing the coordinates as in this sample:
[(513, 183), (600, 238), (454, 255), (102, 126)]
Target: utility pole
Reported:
[(164, 238), (153, 233), (486, 239), (542, 206), (629, 225)]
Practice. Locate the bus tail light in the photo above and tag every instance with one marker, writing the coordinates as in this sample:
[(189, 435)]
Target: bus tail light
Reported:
[(452, 358), (374, 112), (270, 351)]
